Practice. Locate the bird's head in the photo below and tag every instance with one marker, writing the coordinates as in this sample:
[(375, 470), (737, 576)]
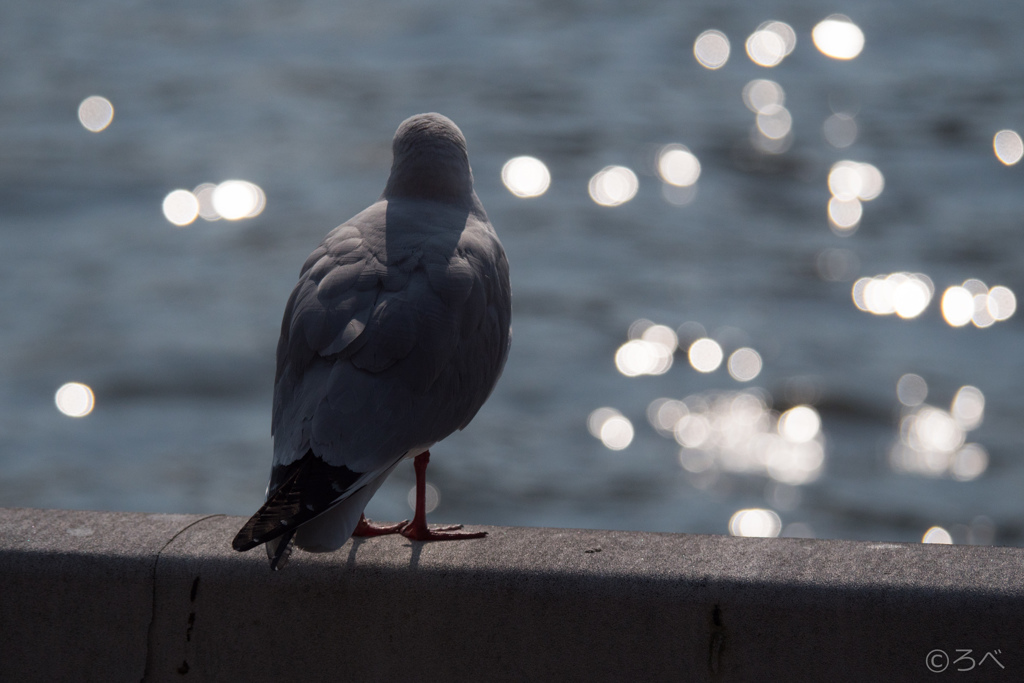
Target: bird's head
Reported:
[(430, 161)]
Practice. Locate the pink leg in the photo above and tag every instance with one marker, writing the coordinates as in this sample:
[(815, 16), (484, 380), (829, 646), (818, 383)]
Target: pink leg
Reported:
[(417, 529), (368, 528)]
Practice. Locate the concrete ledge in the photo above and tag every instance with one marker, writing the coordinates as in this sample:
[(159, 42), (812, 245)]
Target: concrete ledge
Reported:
[(116, 596)]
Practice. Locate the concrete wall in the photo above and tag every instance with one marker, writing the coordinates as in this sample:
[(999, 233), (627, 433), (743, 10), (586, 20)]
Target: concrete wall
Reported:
[(126, 597)]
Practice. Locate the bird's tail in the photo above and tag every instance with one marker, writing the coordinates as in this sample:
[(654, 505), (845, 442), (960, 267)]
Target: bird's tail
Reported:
[(280, 549), (280, 515), (309, 488), (273, 520)]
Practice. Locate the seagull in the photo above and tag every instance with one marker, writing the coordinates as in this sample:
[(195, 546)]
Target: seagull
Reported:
[(393, 338)]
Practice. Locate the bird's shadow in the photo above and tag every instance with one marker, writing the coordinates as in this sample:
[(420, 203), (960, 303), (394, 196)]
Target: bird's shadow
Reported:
[(357, 542)]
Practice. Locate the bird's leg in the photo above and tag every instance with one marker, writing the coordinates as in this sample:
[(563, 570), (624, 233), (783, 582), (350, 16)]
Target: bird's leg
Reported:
[(368, 528), (417, 529)]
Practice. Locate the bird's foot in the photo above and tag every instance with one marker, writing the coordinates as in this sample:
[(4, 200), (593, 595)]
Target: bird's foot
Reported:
[(417, 529), (421, 532), (367, 528)]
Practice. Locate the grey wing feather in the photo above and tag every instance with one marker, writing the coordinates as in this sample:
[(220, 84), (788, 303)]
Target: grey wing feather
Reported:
[(392, 339)]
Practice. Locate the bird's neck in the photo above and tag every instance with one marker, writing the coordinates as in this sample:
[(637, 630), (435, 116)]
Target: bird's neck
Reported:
[(435, 177)]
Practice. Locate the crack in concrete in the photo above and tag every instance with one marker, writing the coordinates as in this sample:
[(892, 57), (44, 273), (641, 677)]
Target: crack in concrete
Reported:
[(717, 639), (147, 672)]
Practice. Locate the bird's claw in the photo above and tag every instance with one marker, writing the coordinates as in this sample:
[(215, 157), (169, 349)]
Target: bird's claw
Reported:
[(415, 532), (366, 528)]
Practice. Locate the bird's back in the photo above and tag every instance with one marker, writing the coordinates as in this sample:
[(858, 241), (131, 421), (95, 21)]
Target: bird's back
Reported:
[(393, 338)]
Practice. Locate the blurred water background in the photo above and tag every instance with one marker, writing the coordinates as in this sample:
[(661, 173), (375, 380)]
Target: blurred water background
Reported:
[(174, 328)]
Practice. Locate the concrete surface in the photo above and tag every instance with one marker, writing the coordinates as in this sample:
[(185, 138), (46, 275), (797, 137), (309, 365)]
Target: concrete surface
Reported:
[(117, 596)]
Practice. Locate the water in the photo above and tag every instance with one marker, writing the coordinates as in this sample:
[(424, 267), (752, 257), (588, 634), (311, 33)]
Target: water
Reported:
[(175, 328)]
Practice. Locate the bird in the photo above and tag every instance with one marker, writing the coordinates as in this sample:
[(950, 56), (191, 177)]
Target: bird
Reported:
[(393, 338)]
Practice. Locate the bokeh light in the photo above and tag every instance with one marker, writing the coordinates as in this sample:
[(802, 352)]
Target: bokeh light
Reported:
[(850, 183), (736, 432), (664, 413), (969, 462), (979, 292), (689, 332), (181, 207), (693, 431), (838, 37), (844, 182), (911, 295), (75, 399), (840, 130), (611, 427), (711, 49), (771, 43), (95, 113), (679, 195), (938, 535), (617, 433), (853, 180), (238, 199), (637, 357), (678, 166), (744, 364), (799, 424), (932, 441), (1008, 146), (774, 122), (911, 390), (974, 302), (431, 498), (767, 145), (872, 182), (613, 185), (968, 407), (638, 327), (931, 429), (795, 462), (755, 523), (649, 350), (844, 214), (597, 418), (1001, 303), (905, 294), (705, 355), (662, 335), (204, 195), (783, 31), (526, 176), (760, 94), (957, 306)]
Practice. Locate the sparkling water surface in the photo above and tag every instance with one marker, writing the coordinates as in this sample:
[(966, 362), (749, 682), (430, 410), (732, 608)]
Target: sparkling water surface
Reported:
[(764, 270)]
